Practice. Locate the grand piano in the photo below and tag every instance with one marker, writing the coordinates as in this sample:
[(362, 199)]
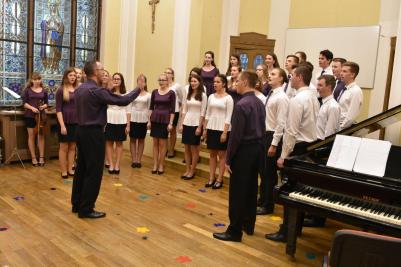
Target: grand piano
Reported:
[(369, 202)]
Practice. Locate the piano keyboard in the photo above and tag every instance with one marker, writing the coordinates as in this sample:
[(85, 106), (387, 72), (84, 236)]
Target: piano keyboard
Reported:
[(377, 211)]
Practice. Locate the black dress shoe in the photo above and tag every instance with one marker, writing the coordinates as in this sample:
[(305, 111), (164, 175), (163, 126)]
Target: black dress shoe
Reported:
[(116, 171), (210, 184), (278, 237), (249, 230), (92, 215), (314, 222), (154, 171), (227, 237), (217, 185), (264, 210), (133, 165)]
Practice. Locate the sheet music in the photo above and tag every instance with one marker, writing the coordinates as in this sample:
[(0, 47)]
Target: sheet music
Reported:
[(372, 157), (344, 152)]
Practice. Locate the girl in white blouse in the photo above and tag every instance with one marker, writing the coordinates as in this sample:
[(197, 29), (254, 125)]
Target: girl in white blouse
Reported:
[(193, 114), (139, 120), (218, 123), (117, 126)]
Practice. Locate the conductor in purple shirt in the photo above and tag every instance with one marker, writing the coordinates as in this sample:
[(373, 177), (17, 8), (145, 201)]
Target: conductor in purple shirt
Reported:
[(245, 153), (91, 107)]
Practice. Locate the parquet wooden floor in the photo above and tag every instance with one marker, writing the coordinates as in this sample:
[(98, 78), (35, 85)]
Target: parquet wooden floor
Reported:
[(42, 231)]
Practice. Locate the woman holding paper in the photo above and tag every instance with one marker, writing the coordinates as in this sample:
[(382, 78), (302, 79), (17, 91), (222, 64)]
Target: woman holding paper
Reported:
[(35, 102)]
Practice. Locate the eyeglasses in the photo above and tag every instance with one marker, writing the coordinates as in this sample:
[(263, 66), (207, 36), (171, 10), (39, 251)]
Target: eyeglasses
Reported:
[(161, 80), (116, 79)]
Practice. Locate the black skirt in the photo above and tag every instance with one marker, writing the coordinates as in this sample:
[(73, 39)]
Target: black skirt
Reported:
[(138, 130), (189, 137), (115, 132), (30, 122), (70, 136), (213, 140), (176, 117), (159, 130)]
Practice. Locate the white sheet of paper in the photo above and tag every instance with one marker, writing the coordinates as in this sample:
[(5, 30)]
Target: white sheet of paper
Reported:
[(372, 157), (344, 152), (14, 94)]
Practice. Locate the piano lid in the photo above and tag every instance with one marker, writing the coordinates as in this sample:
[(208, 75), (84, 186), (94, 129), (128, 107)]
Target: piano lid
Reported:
[(378, 122)]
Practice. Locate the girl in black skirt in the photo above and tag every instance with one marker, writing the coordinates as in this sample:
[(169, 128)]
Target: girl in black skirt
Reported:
[(161, 115), (139, 120), (193, 113), (218, 122), (67, 120), (117, 127)]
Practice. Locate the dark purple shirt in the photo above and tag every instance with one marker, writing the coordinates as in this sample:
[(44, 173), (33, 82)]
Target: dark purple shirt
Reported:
[(233, 93), (67, 109), (162, 106), (33, 99), (208, 79), (91, 103), (247, 124)]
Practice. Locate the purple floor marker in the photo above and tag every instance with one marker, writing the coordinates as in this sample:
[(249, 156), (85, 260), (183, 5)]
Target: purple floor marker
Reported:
[(18, 198), (219, 225), (202, 190)]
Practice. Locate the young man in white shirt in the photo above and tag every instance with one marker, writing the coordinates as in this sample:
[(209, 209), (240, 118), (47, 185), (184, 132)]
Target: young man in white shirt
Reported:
[(300, 129), (325, 58), (290, 63), (351, 98), (336, 66)]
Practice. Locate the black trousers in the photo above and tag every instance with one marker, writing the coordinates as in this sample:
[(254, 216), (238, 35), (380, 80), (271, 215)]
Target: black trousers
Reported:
[(244, 187), (269, 178), (299, 148), (89, 169)]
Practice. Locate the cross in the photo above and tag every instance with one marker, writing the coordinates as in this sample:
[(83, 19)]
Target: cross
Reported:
[(153, 3)]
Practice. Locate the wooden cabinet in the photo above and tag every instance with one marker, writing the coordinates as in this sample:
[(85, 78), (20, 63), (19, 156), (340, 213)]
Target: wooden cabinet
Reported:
[(252, 48), (8, 125)]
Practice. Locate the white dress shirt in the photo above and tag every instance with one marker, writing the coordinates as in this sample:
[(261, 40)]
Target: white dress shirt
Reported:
[(117, 114), (276, 113), (193, 110), (260, 96), (140, 108), (350, 101), (328, 120), (185, 93), (326, 71), (178, 95), (301, 120), (219, 112)]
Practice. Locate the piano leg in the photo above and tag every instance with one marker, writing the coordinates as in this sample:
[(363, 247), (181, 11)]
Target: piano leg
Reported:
[(294, 225)]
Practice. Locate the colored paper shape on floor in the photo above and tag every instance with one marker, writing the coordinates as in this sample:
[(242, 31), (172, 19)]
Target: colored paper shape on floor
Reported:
[(191, 205), (53, 188), (219, 225), (202, 190), (275, 218), (67, 181), (142, 229), (183, 259), (3, 228), (18, 198), (118, 185), (145, 237), (210, 213), (157, 194), (310, 255), (143, 197)]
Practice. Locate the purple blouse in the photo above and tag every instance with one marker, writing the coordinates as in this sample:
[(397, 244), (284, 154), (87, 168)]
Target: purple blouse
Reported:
[(67, 109), (33, 99), (162, 106), (208, 77)]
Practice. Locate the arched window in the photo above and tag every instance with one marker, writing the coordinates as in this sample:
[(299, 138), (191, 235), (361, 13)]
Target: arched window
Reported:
[(45, 36)]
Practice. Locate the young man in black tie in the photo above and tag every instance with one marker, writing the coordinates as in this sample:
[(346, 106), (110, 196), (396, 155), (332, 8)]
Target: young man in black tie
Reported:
[(244, 154), (336, 66), (300, 129)]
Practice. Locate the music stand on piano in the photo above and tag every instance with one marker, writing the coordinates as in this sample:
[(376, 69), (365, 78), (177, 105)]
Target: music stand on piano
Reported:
[(15, 149)]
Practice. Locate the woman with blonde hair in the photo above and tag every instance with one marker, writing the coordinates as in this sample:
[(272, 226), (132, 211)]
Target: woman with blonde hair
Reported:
[(67, 120), (35, 99)]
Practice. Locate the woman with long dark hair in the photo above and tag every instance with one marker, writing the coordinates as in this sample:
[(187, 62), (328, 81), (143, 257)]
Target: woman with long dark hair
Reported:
[(193, 113), (234, 61), (67, 120), (35, 99), (209, 71), (139, 120), (117, 127)]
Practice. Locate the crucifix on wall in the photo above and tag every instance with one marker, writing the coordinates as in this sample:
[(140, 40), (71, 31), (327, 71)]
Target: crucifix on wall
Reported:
[(153, 4)]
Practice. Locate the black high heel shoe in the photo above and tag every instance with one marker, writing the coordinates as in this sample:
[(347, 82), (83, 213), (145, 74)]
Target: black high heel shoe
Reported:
[(154, 171), (189, 177), (210, 183), (217, 185), (64, 176), (35, 164), (41, 164), (160, 172)]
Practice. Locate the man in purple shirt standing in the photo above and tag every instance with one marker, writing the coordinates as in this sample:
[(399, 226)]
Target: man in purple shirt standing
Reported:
[(245, 152), (91, 106)]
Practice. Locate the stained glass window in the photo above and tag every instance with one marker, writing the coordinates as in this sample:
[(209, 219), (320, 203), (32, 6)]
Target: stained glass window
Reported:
[(244, 61), (257, 61), (13, 48), (64, 33)]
